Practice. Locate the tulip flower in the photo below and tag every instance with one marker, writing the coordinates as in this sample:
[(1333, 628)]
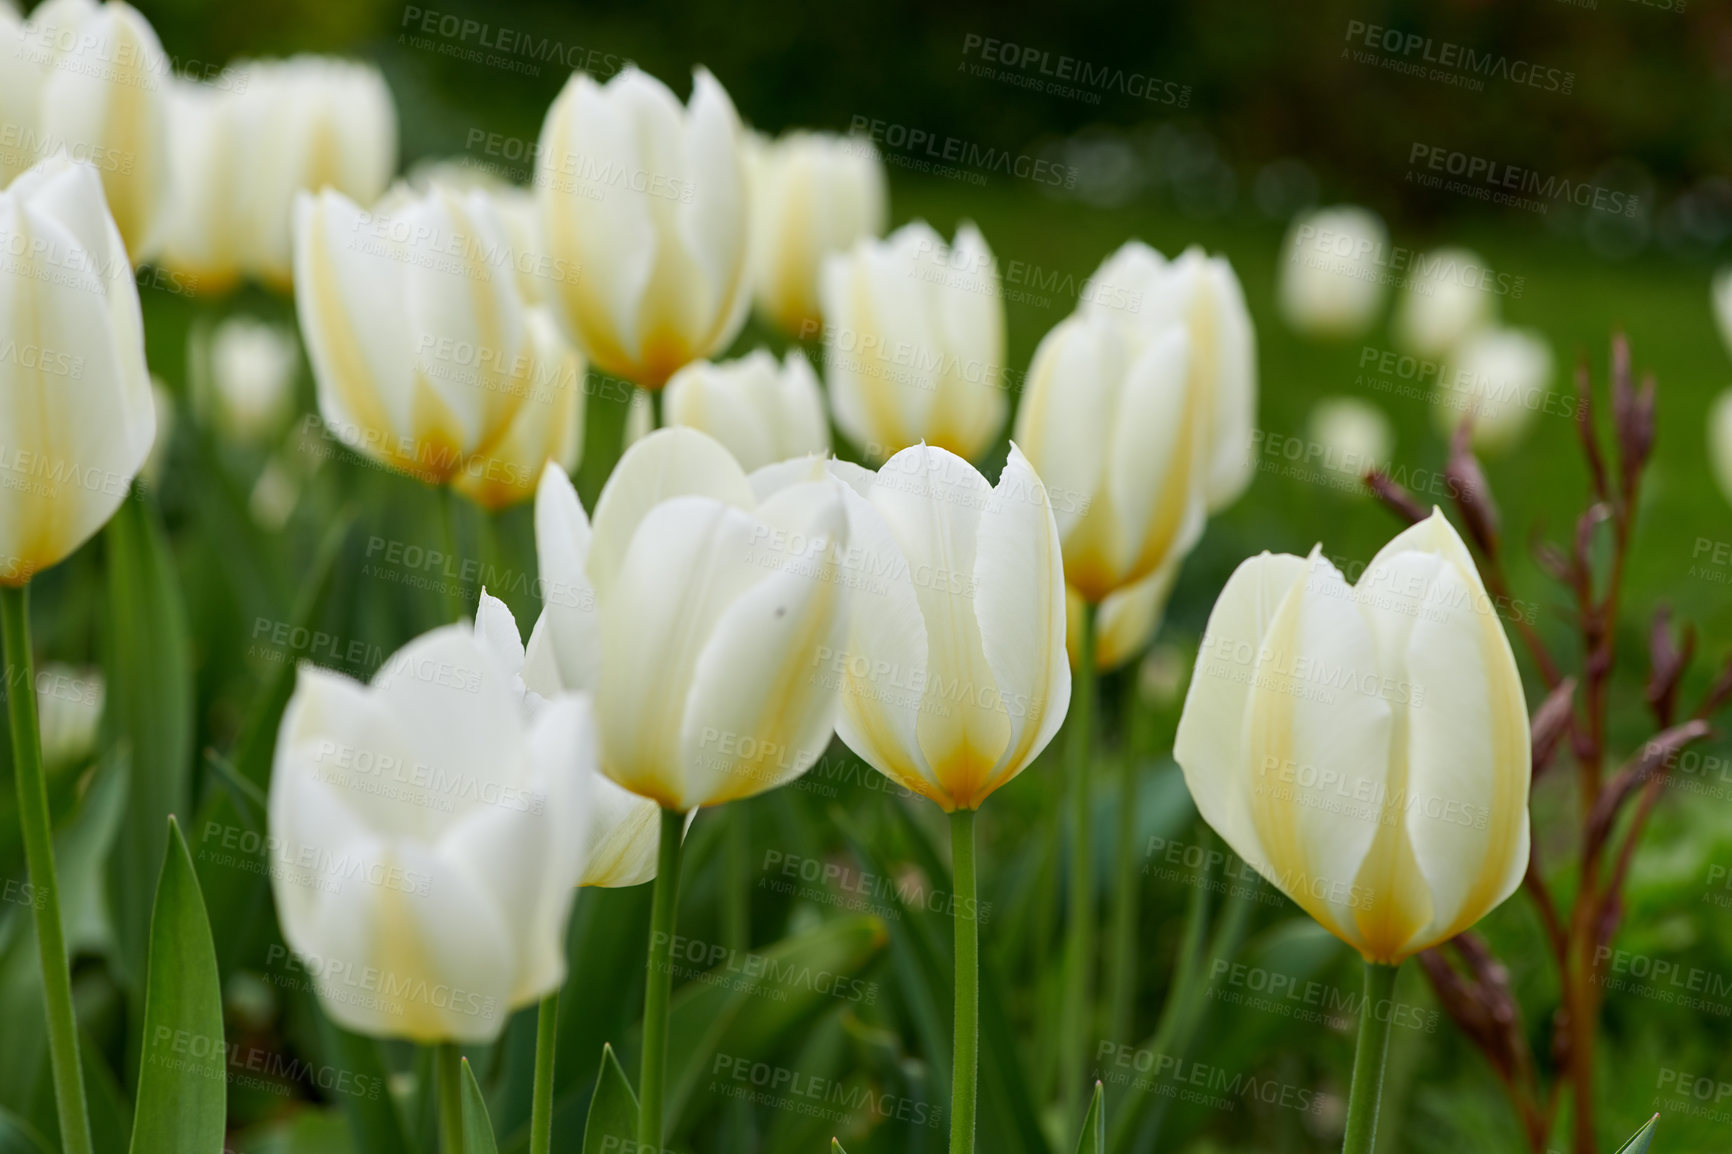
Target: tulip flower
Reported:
[(69, 706), (1332, 281), (760, 412), (206, 230), (1137, 286), (1365, 748), (1445, 301), (76, 403), (1125, 621), (648, 200), (1720, 441), (1354, 435), (953, 678), (104, 99), (250, 367), (812, 194), (1497, 378), (19, 94), (461, 383), (914, 342)]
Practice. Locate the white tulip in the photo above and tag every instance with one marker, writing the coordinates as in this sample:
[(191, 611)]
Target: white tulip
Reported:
[(1444, 302), (1109, 419), (69, 712), (648, 201), (708, 612), (1500, 379), (761, 412), (914, 342), (155, 461), (953, 677), (251, 366), (516, 208), (20, 93), (75, 400), (1331, 280), (431, 830), (206, 229), (425, 356), (104, 99), (1355, 435), (812, 194), (1720, 441), (1365, 748), (1127, 620)]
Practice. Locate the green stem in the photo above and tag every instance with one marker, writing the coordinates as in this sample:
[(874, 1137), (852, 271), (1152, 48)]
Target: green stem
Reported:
[(1368, 1060), (1080, 943), (541, 1112), (1121, 986), (37, 825), (659, 981), (964, 1069), (449, 1061)]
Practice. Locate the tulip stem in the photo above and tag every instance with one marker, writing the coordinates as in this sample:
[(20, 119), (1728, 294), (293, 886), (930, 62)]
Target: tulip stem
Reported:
[(37, 824), (541, 1111), (1080, 945), (964, 1068), (659, 981), (1368, 1060), (449, 1062)]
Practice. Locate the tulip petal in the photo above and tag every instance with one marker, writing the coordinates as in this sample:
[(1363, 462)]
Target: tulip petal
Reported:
[(565, 646), (1066, 416)]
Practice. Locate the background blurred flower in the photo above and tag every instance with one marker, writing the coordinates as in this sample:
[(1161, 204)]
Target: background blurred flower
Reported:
[(1355, 435), (812, 194), (1138, 286), (1501, 379), (1720, 292), (74, 391), (648, 202), (1393, 808), (463, 819), (1332, 277), (761, 412), (712, 612), (68, 711), (1109, 420), (250, 368), (1720, 440), (914, 342), (104, 99), (1444, 301), (20, 87), (206, 230), (548, 427), (1127, 620)]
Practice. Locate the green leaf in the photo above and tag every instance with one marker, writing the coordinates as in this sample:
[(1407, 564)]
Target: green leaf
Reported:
[(613, 1110), (477, 1128), (1093, 1139), (16, 1136), (150, 707), (182, 1079), (836, 1147), (1641, 1139)]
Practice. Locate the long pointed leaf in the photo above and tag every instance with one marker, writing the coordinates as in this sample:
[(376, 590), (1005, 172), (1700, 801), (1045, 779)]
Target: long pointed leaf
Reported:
[(1093, 1139), (1641, 1139), (612, 1123), (477, 1128)]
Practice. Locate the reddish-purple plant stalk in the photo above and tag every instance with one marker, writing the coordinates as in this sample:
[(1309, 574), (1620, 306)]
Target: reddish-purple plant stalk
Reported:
[(1474, 987)]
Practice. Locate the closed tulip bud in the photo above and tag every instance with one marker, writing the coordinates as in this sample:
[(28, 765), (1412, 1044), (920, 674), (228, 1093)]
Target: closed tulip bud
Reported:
[(1331, 282), (914, 342), (431, 827), (425, 357), (1140, 287), (1444, 302), (646, 202), (75, 396), (1127, 620), (954, 675), (69, 712), (206, 229), (761, 412), (251, 366), (709, 612), (1111, 422), (812, 194), (516, 208), (312, 122), (1720, 441), (1498, 378), (104, 99), (1354, 435), (1365, 748)]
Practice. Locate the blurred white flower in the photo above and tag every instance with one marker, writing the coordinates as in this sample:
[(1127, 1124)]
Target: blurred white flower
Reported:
[(914, 342), (1127, 620), (1332, 277), (1721, 293), (162, 403), (760, 411), (275, 493), (1445, 300), (640, 419), (812, 194), (251, 365), (1355, 435), (1720, 441), (1500, 378), (68, 712), (647, 201)]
